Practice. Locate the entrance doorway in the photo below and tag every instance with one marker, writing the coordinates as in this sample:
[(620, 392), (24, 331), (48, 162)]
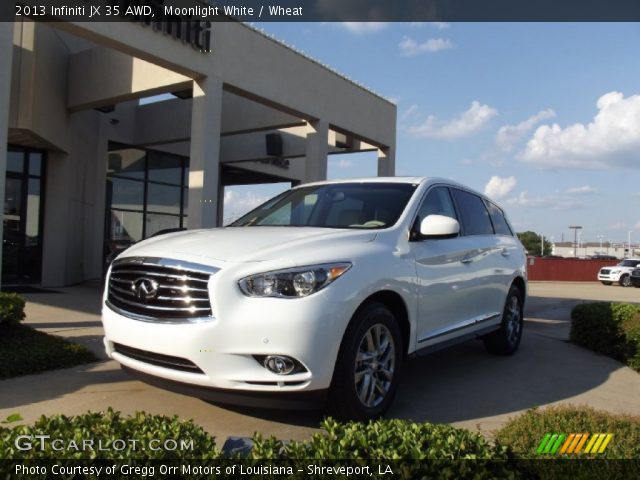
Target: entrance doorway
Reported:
[(23, 201)]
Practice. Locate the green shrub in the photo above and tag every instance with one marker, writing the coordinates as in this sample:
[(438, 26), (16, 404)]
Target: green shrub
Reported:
[(524, 433), (11, 308), (137, 431), (612, 329), (24, 350)]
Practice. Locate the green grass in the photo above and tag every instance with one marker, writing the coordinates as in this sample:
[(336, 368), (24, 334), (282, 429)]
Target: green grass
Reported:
[(24, 351)]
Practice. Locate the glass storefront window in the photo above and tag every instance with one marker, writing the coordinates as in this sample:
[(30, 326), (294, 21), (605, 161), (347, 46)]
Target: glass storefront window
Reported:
[(127, 162), (35, 164), (126, 226), (32, 227), (157, 222), (163, 198), (15, 161), (165, 168), (126, 194)]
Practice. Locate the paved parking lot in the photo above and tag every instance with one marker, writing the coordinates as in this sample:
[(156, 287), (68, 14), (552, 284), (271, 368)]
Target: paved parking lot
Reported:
[(462, 385)]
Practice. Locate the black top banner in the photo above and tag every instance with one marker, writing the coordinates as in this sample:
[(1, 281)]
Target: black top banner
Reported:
[(326, 10)]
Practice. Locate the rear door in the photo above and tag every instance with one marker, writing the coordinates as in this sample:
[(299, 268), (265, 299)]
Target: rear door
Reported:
[(442, 274)]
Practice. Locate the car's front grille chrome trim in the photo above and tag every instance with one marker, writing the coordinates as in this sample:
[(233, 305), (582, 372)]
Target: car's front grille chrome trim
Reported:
[(160, 290)]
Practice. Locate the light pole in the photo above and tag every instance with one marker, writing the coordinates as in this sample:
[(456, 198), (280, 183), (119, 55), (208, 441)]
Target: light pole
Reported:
[(629, 243), (601, 237), (575, 229)]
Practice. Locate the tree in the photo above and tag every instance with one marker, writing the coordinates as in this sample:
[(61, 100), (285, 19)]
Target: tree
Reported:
[(531, 241)]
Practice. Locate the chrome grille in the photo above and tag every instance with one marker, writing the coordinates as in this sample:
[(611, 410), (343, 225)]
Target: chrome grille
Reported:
[(159, 290), (604, 271)]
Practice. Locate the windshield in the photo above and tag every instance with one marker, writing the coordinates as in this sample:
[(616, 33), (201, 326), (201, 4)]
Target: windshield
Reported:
[(341, 205), (629, 263)]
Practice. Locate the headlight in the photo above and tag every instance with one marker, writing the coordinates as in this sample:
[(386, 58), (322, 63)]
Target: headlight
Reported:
[(292, 282), (615, 271)]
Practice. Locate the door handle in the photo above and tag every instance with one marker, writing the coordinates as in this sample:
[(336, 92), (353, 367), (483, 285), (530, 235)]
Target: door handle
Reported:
[(466, 260), (505, 252)]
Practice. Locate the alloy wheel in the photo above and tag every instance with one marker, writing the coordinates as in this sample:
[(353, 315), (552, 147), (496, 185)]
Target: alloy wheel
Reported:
[(375, 365)]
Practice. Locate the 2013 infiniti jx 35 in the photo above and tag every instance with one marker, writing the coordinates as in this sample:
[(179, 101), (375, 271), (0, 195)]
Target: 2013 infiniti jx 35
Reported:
[(318, 296)]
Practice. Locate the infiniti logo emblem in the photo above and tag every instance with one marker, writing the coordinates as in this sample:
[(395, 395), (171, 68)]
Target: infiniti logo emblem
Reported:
[(145, 289)]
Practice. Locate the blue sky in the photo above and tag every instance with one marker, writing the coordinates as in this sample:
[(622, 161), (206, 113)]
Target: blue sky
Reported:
[(544, 118)]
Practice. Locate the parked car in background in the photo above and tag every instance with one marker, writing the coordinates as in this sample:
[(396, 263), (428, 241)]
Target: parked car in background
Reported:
[(319, 295), (620, 273), (635, 277)]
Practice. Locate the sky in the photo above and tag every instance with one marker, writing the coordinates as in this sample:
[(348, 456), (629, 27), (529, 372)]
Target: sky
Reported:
[(543, 118)]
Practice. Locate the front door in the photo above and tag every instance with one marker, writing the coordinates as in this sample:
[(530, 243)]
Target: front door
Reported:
[(22, 232)]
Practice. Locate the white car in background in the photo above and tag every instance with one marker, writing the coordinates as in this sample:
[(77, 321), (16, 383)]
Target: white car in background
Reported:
[(318, 296), (620, 273)]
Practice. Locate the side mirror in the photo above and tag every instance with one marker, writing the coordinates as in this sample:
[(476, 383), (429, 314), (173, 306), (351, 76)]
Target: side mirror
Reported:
[(439, 226)]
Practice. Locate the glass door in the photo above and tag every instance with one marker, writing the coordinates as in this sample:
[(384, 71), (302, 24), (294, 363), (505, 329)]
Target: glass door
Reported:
[(22, 231)]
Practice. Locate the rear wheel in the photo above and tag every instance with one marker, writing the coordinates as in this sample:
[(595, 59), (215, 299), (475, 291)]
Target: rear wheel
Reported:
[(365, 378), (625, 280), (506, 340)]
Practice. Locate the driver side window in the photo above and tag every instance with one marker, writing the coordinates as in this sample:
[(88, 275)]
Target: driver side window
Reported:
[(437, 202)]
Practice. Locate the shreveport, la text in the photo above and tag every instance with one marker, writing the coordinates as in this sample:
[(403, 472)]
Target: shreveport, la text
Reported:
[(239, 469), (45, 442)]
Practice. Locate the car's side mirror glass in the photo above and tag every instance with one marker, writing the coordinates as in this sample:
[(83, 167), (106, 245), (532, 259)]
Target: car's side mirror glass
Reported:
[(439, 226)]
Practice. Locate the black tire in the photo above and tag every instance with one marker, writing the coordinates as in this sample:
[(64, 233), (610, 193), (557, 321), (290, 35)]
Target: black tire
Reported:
[(625, 280), (352, 395), (506, 340), (606, 283)]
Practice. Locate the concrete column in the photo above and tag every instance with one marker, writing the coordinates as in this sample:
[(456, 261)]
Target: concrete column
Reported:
[(316, 151), (6, 53), (204, 164), (386, 162)]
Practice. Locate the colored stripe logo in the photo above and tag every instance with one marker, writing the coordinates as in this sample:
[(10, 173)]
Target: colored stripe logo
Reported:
[(574, 443)]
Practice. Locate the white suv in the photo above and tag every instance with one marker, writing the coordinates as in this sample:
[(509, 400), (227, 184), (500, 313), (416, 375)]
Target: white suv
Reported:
[(620, 273), (319, 295)]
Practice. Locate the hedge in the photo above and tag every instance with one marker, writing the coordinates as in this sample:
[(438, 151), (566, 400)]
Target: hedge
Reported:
[(524, 433), (11, 308), (612, 329)]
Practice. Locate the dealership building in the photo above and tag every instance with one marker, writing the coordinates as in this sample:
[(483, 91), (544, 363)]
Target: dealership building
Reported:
[(91, 161)]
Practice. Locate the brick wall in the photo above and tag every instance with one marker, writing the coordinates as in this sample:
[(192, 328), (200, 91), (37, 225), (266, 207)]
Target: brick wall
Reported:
[(566, 269)]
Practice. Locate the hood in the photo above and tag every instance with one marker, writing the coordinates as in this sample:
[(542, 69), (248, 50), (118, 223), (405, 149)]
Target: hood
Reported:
[(245, 244)]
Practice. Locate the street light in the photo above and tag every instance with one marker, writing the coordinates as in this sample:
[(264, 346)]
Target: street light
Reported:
[(601, 237), (575, 229)]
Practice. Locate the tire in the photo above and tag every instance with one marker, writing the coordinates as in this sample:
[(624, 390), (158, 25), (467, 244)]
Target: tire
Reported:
[(506, 340), (625, 280), (606, 283), (352, 395)]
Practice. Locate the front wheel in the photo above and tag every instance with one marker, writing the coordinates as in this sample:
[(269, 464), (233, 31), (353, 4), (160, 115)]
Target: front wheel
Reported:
[(505, 341), (365, 378), (625, 280)]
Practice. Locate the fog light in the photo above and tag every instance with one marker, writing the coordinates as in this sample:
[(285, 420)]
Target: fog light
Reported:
[(279, 364)]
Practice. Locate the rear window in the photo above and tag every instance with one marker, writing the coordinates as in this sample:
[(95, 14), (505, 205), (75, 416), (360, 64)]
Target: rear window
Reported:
[(475, 217), (500, 225)]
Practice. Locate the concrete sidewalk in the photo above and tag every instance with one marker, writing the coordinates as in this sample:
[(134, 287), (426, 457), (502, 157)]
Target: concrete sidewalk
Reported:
[(462, 385)]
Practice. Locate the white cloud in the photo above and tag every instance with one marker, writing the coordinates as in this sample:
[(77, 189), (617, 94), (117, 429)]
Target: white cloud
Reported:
[(611, 139), (499, 187), (467, 123), (582, 189), (409, 47), (509, 135), (550, 202), (408, 113), (361, 28)]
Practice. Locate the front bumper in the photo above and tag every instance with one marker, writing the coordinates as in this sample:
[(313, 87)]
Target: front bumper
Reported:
[(609, 277), (224, 348)]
